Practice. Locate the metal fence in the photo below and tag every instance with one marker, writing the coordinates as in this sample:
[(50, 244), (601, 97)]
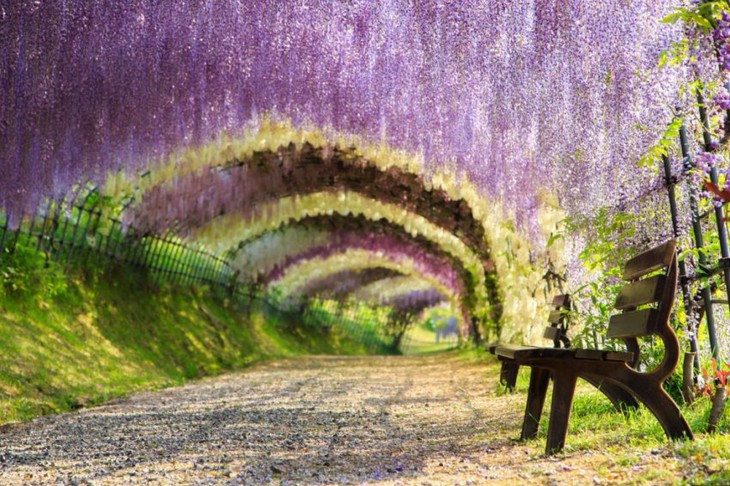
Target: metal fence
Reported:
[(75, 231)]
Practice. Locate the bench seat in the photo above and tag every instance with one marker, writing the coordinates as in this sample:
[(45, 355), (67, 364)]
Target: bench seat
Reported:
[(520, 352)]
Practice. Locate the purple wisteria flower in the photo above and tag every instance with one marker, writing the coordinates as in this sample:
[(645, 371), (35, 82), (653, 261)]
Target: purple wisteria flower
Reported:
[(518, 96)]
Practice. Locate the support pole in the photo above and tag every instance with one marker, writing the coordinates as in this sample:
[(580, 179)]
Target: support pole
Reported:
[(683, 280), (699, 240), (719, 213), (42, 232), (4, 228)]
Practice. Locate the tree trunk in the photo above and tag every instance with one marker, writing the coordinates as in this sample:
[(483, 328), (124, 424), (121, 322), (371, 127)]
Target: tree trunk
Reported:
[(688, 378), (718, 407)]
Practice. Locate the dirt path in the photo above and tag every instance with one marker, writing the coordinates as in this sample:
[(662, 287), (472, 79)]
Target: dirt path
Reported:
[(425, 420)]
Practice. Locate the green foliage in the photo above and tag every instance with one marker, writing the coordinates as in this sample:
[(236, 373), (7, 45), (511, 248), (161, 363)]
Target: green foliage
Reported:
[(667, 141), (704, 16), (26, 270), (606, 235), (361, 325)]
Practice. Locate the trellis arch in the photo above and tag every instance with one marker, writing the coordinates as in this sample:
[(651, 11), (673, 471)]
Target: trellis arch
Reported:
[(303, 271), (320, 206), (210, 197), (295, 170), (313, 235), (340, 285)]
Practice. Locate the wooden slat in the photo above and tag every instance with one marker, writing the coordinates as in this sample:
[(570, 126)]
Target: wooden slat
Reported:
[(647, 262), (561, 300), (516, 351), (619, 356), (509, 350), (544, 353), (641, 292), (632, 324), (589, 354), (556, 316), (603, 355), (551, 333)]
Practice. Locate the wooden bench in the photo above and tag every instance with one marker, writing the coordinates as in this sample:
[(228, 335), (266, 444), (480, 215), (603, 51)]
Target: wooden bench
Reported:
[(556, 331), (646, 305)]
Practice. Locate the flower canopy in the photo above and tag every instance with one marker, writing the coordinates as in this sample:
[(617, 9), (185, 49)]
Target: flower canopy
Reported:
[(472, 126)]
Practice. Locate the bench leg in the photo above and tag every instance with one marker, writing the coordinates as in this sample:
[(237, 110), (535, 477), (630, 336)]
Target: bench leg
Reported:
[(563, 391), (665, 410), (539, 379), (508, 374)]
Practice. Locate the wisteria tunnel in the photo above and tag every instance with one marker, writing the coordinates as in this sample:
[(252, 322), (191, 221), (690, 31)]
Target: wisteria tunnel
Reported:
[(191, 187)]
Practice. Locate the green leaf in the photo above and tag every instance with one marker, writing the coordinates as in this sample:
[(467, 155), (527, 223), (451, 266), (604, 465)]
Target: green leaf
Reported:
[(681, 14), (553, 238), (663, 58)]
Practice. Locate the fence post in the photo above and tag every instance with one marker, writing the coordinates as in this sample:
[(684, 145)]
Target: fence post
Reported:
[(31, 227), (80, 213), (197, 265), (42, 232), (699, 241), (81, 210), (117, 239), (179, 262), (93, 225), (719, 212), (212, 272), (125, 241), (16, 234), (155, 256), (683, 279), (187, 266), (138, 250), (4, 228)]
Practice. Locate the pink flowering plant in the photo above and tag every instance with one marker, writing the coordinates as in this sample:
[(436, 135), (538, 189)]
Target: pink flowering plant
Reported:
[(713, 376)]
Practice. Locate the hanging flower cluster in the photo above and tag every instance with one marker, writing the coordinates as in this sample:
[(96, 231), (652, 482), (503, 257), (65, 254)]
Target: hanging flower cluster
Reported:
[(381, 244), (391, 287), (341, 285), (268, 256), (462, 83), (295, 280), (460, 86), (201, 197), (413, 302), (721, 36)]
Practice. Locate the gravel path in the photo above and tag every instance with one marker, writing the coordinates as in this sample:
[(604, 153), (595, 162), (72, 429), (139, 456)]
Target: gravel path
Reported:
[(424, 420)]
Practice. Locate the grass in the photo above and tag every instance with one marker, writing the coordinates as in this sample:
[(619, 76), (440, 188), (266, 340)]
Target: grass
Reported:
[(633, 448), (70, 339)]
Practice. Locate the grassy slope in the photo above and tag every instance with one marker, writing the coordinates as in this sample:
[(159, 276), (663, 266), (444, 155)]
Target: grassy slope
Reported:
[(105, 335)]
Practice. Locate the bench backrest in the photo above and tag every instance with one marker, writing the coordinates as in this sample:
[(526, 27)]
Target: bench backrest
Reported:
[(558, 318), (646, 304)]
